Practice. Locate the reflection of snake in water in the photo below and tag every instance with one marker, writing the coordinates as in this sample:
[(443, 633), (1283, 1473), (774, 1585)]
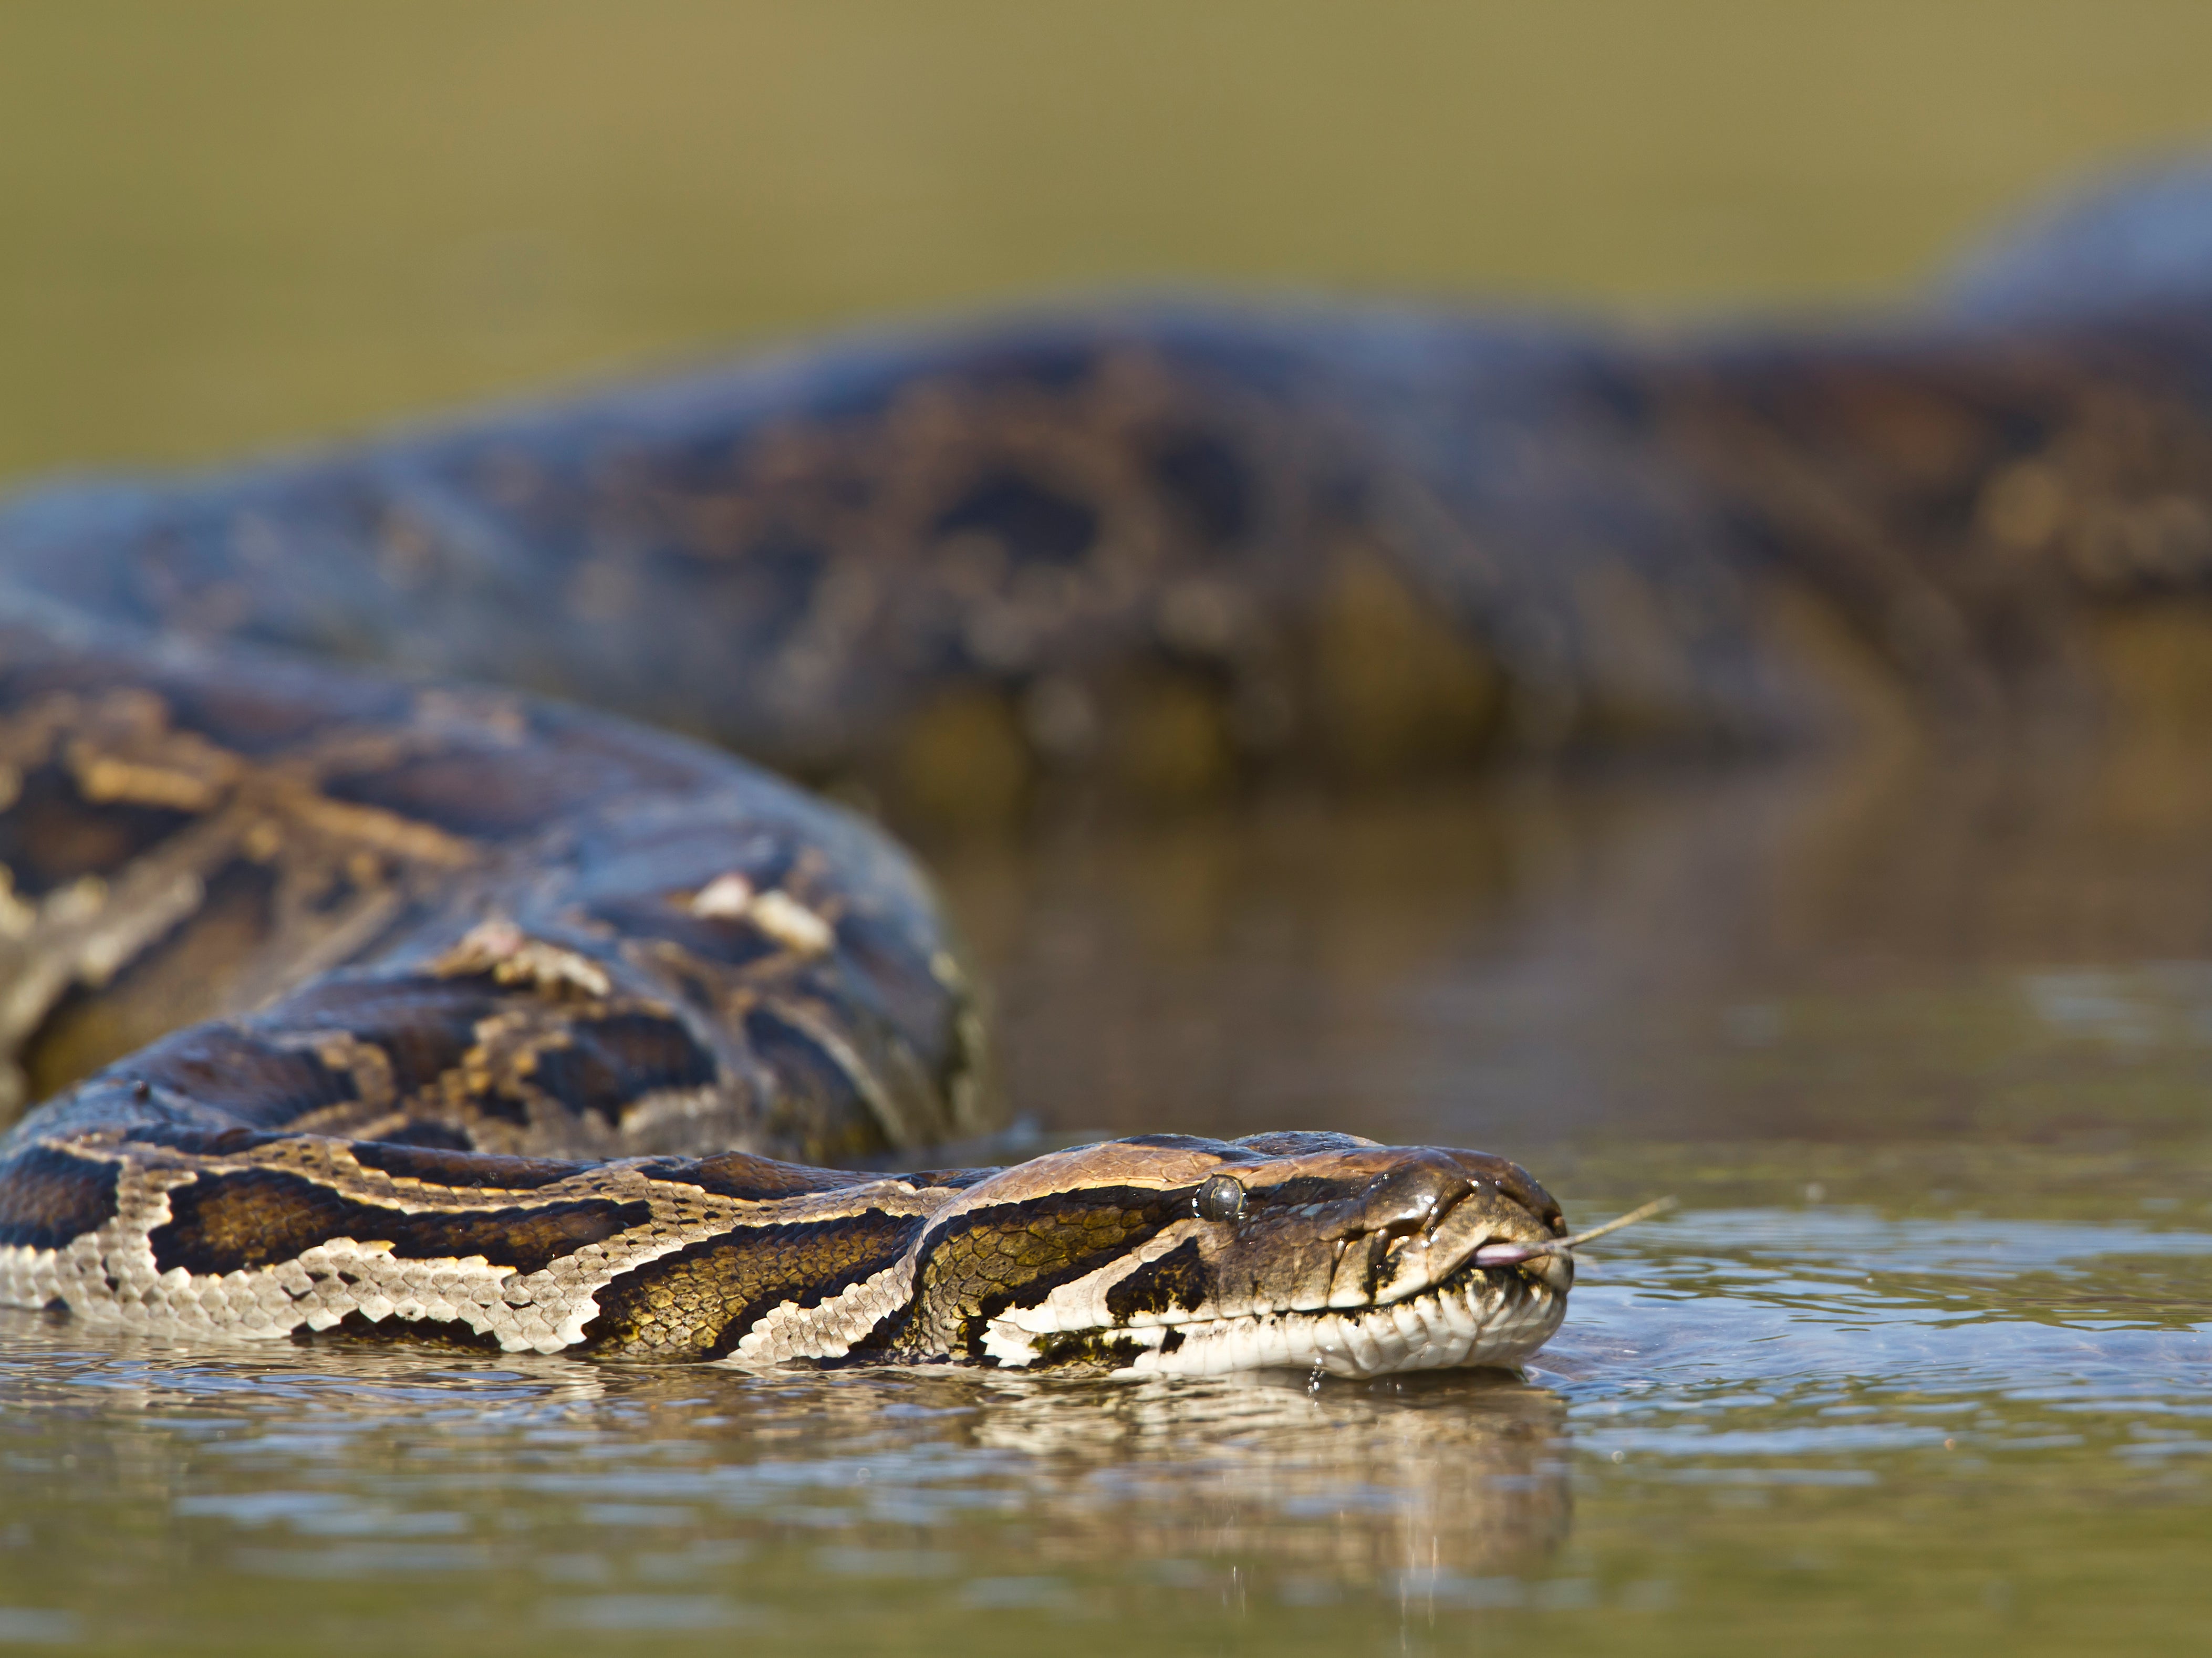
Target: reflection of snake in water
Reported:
[(522, 976)]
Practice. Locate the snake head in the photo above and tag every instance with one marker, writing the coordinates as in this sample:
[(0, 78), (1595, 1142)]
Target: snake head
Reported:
[(1172, 1254)]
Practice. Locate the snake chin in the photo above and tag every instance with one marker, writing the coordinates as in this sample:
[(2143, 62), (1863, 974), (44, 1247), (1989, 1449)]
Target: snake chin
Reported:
[(1489, 1317)]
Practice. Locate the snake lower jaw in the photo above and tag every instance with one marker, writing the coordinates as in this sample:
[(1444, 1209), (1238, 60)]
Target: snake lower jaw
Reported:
[(1477, 1318)]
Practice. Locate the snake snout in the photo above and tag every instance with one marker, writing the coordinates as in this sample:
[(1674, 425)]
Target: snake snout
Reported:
[(1493, 1227), (1427, 1218), (1555, 1271), (1414, 1199)]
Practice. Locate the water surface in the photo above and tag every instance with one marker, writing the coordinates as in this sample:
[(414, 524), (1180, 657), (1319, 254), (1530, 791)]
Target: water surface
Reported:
[(1925, 1361)]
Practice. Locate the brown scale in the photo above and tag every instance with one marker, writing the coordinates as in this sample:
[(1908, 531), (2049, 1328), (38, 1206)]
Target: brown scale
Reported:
[(229, 1222), (52, 1197), (699, 1302), (976, 1266)]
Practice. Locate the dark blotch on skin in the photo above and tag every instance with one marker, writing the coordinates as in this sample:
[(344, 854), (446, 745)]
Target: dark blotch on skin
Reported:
[(959, 1179), (741, 1175), (201, 1142), (699, 1302), (811, 1083), (272, 710), (50, 835), (357, 1325), (1111, 1352), (424, 1025), (770, 589), (463, 1170), (1180, 1278), (1031, 521), (609, 1063), (1177, 1143), (430, 1135), (186, 975), (236, 1072), (1014, 1256), (1297, 1142), (245, 1221), (1206, 480), (490, 796), (898, 976), (47, 1197)]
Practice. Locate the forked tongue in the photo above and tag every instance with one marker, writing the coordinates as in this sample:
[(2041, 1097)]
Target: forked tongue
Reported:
[(1512, 1254)]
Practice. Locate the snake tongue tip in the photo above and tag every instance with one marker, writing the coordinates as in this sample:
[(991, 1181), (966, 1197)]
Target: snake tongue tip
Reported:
[(1513, 1253)]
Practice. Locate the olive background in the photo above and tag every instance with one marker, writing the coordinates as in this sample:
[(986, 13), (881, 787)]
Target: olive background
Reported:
[(244, 222)]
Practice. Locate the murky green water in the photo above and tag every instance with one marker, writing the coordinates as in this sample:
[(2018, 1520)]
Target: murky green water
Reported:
[(1926, 1361)]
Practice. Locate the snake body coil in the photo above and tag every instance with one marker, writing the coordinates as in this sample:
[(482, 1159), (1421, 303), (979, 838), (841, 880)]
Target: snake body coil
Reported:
[(369, 999)]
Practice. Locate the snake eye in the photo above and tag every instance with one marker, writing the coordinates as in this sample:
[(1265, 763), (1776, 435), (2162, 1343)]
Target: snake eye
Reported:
[(1219, 1199)]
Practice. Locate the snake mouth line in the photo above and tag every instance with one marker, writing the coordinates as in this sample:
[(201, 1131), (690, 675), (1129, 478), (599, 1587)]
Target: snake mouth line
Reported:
[(1476, 1318), (1475, 1315)]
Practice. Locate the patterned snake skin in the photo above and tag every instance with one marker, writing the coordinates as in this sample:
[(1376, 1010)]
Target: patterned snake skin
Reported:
[(369, 993)]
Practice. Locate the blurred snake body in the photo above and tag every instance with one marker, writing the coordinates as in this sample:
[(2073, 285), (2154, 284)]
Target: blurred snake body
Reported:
[(366, 986)]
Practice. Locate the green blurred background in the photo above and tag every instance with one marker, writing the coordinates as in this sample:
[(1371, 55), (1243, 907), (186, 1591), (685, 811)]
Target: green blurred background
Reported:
[(226, 224)]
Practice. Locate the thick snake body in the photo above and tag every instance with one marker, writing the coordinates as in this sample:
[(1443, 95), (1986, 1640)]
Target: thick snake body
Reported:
[(370, 993)]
